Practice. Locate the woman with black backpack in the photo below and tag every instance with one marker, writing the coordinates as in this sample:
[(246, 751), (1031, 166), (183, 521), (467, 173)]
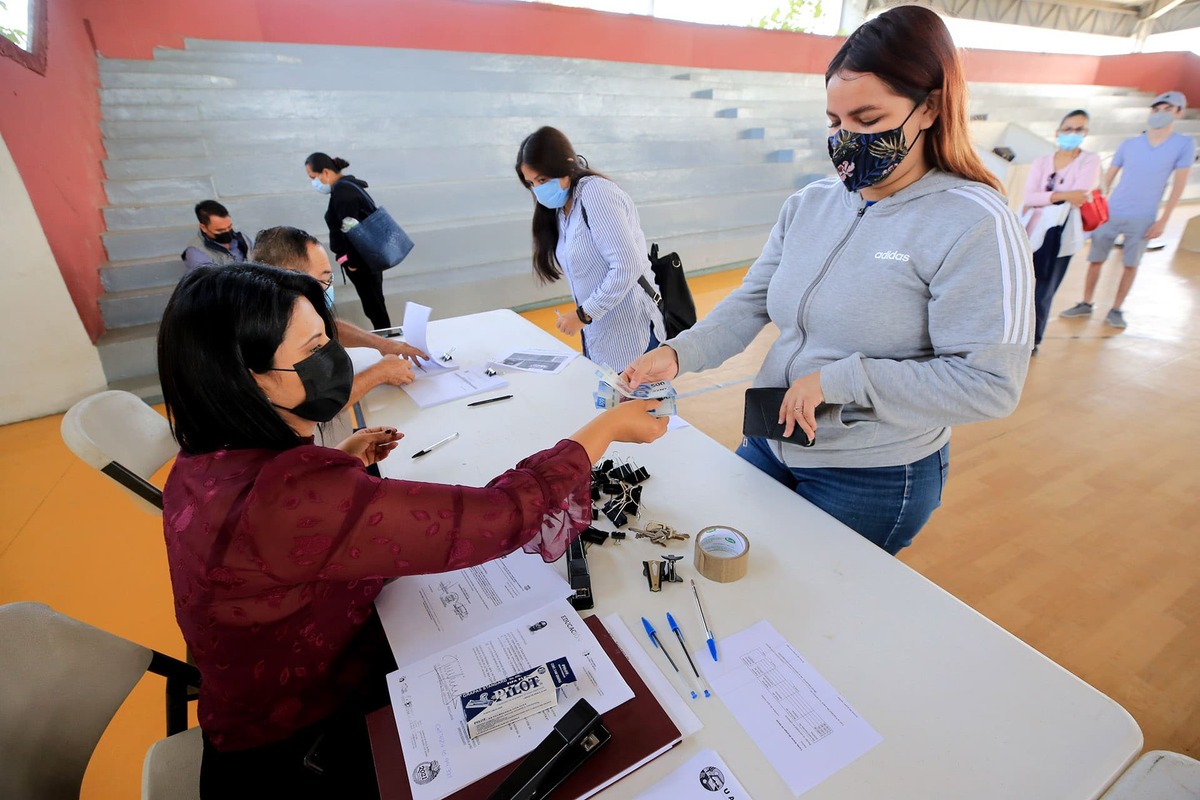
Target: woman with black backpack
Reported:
[(349, 204)]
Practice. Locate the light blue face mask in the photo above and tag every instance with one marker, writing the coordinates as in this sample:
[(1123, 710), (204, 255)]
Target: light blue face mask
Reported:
[(1069, 141), (320, 187), (551, 195), (1160, 119), (329, 296)]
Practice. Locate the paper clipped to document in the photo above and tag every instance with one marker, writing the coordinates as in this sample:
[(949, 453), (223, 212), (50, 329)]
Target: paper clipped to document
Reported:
[(804, 727)]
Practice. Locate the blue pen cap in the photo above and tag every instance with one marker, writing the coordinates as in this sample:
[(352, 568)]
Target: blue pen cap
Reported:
[(671, 621), (650, 631)]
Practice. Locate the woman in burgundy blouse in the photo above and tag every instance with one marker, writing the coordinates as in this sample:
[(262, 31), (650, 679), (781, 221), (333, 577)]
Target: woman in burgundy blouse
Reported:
[(278, 547)]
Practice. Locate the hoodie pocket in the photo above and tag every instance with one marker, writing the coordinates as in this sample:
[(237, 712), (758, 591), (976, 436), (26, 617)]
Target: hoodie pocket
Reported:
[(846, 427)]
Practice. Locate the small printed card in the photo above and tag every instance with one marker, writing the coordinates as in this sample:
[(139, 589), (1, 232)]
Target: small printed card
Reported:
[(516, 697)]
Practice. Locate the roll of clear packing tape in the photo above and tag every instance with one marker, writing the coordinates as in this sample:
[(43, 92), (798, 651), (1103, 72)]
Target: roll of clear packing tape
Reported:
[(722, 553)]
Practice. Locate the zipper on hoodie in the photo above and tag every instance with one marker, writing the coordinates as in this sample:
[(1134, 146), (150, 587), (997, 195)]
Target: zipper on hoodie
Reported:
[(804, 299)]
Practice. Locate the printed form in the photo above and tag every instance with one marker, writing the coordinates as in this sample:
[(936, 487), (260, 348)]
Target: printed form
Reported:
[(805, 728), (426, 696)]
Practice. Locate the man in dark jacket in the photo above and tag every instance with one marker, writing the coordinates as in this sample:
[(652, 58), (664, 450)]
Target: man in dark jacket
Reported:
[(216, 242)]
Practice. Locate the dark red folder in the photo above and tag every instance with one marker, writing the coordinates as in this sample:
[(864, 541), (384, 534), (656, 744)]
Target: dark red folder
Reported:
[(640, 727)]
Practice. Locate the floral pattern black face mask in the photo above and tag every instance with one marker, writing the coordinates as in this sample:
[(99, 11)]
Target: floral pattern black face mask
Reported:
[(864, 159)]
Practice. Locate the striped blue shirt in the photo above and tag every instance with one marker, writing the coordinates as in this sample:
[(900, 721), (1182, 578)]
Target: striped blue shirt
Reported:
[(603, 259)]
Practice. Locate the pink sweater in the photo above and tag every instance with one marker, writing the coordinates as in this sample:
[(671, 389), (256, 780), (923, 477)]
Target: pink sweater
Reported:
[(1082, 174)]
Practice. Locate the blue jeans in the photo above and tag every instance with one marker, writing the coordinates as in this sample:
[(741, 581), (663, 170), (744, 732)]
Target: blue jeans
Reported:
[(888, 506)]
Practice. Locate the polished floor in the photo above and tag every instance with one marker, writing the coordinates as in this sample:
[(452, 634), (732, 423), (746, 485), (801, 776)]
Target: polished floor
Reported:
[(1073, 523)]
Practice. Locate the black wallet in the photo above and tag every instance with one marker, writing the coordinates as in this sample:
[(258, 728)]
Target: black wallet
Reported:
[(761, 418)]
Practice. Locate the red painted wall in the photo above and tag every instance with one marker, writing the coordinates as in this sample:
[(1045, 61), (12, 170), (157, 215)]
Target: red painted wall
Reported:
[(51, 124)]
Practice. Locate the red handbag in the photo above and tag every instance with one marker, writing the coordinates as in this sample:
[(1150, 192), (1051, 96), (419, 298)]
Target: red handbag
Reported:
[(1094, 212)]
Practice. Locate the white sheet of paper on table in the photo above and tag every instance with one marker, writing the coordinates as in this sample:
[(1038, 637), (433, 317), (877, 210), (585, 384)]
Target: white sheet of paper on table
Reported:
[(422, 614), (437, 389), (429, 718), (703, 777), (804, 727), (547, 362), (660, 685)]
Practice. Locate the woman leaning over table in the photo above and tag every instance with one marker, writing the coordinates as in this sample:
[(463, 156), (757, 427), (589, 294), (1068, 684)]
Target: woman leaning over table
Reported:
[(1061, 181), (901, 290), (586, 227), (277, 547)]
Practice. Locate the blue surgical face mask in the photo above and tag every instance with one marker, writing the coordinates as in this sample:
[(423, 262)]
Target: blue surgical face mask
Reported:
[(329, 295), (1160, 119), (320, 187), (551, 195), (1069, 141)]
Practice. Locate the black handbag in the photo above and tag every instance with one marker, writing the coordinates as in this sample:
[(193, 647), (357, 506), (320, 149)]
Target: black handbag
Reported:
[(672, 295), (378, 238)]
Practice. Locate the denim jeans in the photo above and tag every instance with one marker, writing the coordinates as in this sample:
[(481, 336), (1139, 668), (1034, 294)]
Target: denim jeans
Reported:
[(888, 506)]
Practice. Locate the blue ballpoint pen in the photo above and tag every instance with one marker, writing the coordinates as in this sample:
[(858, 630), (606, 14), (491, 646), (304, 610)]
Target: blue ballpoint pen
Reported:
[(679, 635), (712, 643), (654, 640)]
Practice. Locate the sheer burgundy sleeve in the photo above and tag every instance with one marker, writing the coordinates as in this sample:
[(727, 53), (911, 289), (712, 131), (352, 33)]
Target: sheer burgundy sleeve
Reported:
[(314, 513)]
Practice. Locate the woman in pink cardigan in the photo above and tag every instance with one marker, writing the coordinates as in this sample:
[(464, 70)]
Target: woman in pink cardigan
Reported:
[(1068, 175)]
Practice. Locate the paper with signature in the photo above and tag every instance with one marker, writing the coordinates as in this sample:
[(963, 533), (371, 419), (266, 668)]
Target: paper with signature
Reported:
[(441, 758)]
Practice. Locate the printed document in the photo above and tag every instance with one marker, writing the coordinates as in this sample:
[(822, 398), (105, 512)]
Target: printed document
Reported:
[(426, 696), (703, 777), (549, 362), (431, 390), (805, 728), (422, 614), (416, 325)]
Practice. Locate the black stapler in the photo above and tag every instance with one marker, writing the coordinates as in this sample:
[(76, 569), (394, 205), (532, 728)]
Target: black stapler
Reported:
[(579, 576), (576, 736)]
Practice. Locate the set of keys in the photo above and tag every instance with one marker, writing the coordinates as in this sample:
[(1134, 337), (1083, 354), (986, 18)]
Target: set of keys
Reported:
[(660, 534)]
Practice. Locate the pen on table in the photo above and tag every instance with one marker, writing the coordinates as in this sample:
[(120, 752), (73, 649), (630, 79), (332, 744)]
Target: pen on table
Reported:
[(679, 635), (435, 445), (654, 639), (490, 400), (712, 642)]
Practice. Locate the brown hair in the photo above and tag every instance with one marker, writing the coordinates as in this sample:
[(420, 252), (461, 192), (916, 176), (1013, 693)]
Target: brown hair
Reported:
[(910, 50)]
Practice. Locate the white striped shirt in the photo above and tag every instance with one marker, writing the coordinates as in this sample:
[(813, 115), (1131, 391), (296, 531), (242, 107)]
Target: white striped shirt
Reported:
[(603, 259)]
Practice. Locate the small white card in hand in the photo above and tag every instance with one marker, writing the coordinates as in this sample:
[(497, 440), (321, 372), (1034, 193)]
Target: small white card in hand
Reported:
[(703, 777)]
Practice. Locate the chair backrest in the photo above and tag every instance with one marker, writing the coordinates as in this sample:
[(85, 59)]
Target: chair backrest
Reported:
[(172, 767), (1158, 775), (61, 681), (124, 438)]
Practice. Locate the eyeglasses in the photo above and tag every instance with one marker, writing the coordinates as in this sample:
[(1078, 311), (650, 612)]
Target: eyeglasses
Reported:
[(1050, 182)]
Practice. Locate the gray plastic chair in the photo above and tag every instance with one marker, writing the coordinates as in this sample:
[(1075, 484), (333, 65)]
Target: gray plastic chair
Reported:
[(127, 440), (1158, 775), (172, 767), (61, 682)]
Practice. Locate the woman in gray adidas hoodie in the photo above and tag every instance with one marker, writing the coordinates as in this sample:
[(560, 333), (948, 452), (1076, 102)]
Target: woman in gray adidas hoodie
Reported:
[(902, 291)]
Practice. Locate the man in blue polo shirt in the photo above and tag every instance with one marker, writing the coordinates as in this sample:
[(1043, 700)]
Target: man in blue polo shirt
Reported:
[(1149, 161)]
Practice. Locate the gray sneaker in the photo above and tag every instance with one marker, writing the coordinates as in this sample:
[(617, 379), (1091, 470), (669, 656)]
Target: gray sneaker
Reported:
[(1078, 310), (1115, 319)]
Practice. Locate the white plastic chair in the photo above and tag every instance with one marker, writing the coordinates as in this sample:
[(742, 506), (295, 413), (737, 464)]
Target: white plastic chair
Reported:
[(61, 681), (1158, 775), (172, 767), (124, 438)]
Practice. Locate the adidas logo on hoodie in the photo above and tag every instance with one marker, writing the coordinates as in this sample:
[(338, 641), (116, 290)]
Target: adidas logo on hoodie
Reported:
[(892, 255)]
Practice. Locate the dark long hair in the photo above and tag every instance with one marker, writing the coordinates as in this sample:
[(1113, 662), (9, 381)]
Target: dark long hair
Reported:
[(221, 324), (548, 151), (319, 162), (910, 50)]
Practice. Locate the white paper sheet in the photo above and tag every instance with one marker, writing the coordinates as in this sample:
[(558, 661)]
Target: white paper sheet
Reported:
[(440, 757), (703, 777), (434, 390), (422, 614), (660, 686), (416, 325), (547, 362), (804, 727), (363, 357)]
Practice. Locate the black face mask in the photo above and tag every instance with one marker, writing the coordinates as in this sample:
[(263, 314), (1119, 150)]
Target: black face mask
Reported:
[(222, 238), (328, 376)]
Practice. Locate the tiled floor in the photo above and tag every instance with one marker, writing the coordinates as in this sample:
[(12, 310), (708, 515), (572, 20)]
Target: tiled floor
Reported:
[(1073, 523)]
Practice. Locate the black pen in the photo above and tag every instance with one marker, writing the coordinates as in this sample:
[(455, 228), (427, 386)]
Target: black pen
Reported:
[(490, 400), (435, 445)]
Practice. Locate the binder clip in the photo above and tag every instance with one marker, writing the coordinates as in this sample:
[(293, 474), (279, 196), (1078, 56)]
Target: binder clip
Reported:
[(579, 576), (577, 735)]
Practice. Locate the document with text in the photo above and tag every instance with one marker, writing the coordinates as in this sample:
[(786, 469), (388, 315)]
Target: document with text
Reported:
[(804, 727)]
